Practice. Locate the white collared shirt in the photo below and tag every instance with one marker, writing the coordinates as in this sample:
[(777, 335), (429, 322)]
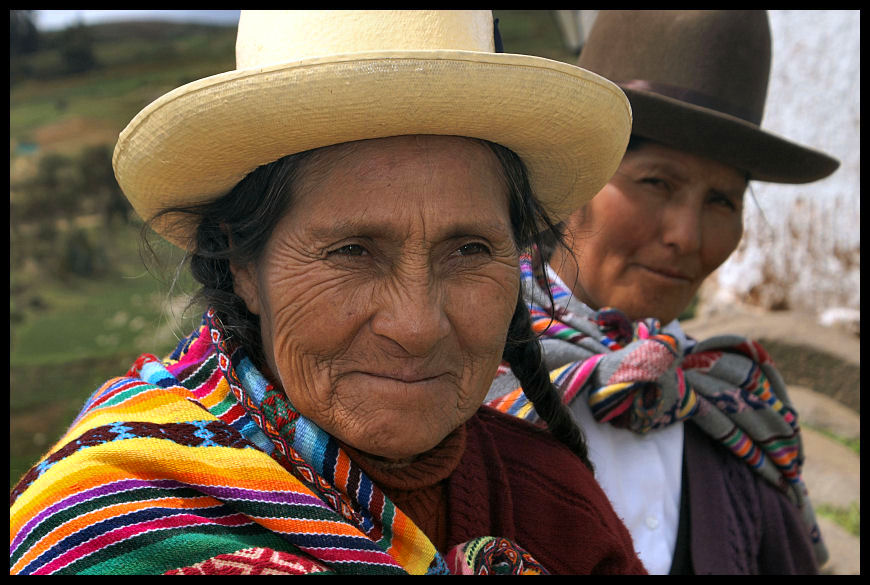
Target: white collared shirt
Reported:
[(641, 475)]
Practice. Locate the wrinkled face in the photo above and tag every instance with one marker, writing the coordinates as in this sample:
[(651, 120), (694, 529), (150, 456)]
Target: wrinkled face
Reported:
[(647, 241), (386, 291)]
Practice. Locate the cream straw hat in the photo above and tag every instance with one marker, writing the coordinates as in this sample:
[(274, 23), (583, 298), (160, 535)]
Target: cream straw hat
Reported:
[(307, 79)]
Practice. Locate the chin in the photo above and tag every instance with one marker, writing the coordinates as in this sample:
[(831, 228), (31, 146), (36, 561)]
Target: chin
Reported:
[(396, 438), (664, 313)]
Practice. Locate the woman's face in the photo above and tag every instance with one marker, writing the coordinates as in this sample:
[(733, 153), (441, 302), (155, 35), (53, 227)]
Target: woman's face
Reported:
[(386, 291), (647, 241)]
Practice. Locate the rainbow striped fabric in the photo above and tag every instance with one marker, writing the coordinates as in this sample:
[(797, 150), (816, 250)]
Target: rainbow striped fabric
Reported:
[(197, 465), (638, 377)]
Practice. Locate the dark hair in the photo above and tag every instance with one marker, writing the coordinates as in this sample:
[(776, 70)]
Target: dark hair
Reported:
[(236, 227)]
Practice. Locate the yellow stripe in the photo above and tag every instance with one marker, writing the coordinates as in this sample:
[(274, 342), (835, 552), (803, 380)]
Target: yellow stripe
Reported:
[(606, 392), (149, 459)]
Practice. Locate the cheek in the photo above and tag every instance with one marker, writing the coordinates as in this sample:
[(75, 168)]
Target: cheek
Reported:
[(721, 240), (613, 229), (480, 314), (309, 317)]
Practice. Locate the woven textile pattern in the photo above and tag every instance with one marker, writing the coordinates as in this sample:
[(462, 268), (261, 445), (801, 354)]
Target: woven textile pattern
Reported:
[(636, 376), (197, 465)]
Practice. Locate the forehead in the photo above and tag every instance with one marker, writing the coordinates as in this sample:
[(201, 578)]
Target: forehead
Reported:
[(442, 179), (685, 165)]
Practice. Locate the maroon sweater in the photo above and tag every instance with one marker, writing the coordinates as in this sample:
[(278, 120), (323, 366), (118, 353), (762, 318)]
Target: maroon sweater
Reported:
[(501, 476)]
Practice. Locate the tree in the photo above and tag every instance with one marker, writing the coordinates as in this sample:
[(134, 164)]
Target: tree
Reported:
[(23, 34), (76, 49)]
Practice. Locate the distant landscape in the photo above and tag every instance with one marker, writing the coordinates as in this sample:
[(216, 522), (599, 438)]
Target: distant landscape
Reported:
[(83, 305)]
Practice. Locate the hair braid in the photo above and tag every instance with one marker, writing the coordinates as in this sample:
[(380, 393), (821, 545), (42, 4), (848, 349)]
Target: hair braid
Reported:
[(523, 353)]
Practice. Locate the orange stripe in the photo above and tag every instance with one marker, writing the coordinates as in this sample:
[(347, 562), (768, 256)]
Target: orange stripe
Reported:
[(342, 469), (288, 525), (260, 472), (408, 540), (85, 520)]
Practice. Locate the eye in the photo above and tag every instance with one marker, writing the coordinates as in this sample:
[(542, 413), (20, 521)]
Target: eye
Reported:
[(348, 250), (724, 201), (655, 183), (473, 248)]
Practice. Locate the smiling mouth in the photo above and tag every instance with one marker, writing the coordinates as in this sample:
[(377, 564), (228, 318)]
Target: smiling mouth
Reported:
[(668, 273), (405, 378)]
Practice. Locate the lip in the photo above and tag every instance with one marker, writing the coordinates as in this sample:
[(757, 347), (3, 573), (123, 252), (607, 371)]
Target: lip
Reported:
[(406, 377), (669, 273)]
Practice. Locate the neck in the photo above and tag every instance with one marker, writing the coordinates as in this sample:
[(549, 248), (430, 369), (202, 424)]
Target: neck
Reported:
[(565, 265), (414, 472)]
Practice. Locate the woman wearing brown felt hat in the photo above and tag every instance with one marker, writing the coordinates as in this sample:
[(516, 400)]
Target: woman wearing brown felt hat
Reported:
[(696, 444)]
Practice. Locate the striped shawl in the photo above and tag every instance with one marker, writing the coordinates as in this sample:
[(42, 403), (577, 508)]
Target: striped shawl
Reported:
[(639, 377), (197, 465)]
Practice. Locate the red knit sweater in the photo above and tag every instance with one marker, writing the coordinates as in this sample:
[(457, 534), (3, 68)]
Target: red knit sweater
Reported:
[(501, 476)]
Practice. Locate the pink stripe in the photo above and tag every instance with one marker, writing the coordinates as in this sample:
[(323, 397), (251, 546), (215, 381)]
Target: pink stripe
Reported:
[(681, 382), (126, 532), (617, 410), (196, 351), (580, 377), (133, 383), (350, 556), (209, 385)]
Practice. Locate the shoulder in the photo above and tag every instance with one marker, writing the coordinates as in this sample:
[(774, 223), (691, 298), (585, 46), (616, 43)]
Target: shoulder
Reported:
[(560, 513), (533, 457), (729, 501)]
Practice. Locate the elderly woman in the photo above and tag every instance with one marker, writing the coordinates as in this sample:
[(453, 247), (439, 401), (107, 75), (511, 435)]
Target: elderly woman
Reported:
[(354, 198), (696, 444)]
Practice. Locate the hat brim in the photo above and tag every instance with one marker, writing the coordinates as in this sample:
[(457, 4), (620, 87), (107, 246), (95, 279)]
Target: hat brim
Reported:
[(727, 139), (569, 126)]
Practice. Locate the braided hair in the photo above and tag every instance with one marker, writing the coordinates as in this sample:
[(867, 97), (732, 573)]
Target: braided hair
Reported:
[(534, 230), (235, 228)]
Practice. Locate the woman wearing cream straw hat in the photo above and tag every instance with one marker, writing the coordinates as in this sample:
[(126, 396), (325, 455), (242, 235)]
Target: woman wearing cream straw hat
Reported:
[(353, 199), (697, 444)]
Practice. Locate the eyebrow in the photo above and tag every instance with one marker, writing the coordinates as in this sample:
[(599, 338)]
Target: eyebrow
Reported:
[(491, 230), (669, 167)]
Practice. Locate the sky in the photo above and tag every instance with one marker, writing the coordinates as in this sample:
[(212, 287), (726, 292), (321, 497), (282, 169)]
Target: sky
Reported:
[(58, 19)]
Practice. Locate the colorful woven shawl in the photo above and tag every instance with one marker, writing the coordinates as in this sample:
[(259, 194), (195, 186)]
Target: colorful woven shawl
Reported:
[(198, 465), (638, 377)]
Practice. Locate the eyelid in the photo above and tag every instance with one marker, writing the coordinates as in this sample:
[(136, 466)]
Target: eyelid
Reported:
[(483, 246), (344, 246), (732, 202)]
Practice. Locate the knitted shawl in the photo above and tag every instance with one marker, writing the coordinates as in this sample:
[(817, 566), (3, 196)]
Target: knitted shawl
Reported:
[(635, 376), (197, 465)]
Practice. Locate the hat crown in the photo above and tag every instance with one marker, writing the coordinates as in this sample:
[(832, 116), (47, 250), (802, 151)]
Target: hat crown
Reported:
[(718, 59), (271, 37)]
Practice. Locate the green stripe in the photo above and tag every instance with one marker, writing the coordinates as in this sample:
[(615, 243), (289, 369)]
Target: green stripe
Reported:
[(290, 511), (206, 369), (126, 395), (59, 518), (387, 516), (224, 405), (154, 553), (246, 507)]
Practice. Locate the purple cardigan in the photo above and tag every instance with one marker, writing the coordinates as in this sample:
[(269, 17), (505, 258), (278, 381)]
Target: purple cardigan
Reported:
[(738, 523)]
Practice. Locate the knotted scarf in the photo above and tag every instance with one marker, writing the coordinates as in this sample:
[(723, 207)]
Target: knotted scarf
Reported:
[(639, 377), (198, 465)]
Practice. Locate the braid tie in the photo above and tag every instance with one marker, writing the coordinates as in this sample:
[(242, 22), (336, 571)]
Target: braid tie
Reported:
[(523, 353)]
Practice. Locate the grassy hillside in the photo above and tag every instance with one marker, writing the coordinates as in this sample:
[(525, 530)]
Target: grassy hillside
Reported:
[(68, 334)]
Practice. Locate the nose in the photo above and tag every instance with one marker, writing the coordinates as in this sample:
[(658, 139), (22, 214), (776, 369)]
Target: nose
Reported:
[(410, 313), (681, 227)]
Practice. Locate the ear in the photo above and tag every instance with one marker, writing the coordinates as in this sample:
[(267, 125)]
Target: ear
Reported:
[(246, 286)]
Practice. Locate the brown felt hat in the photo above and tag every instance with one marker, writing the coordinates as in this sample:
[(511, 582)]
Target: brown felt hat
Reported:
[(697, 81)]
